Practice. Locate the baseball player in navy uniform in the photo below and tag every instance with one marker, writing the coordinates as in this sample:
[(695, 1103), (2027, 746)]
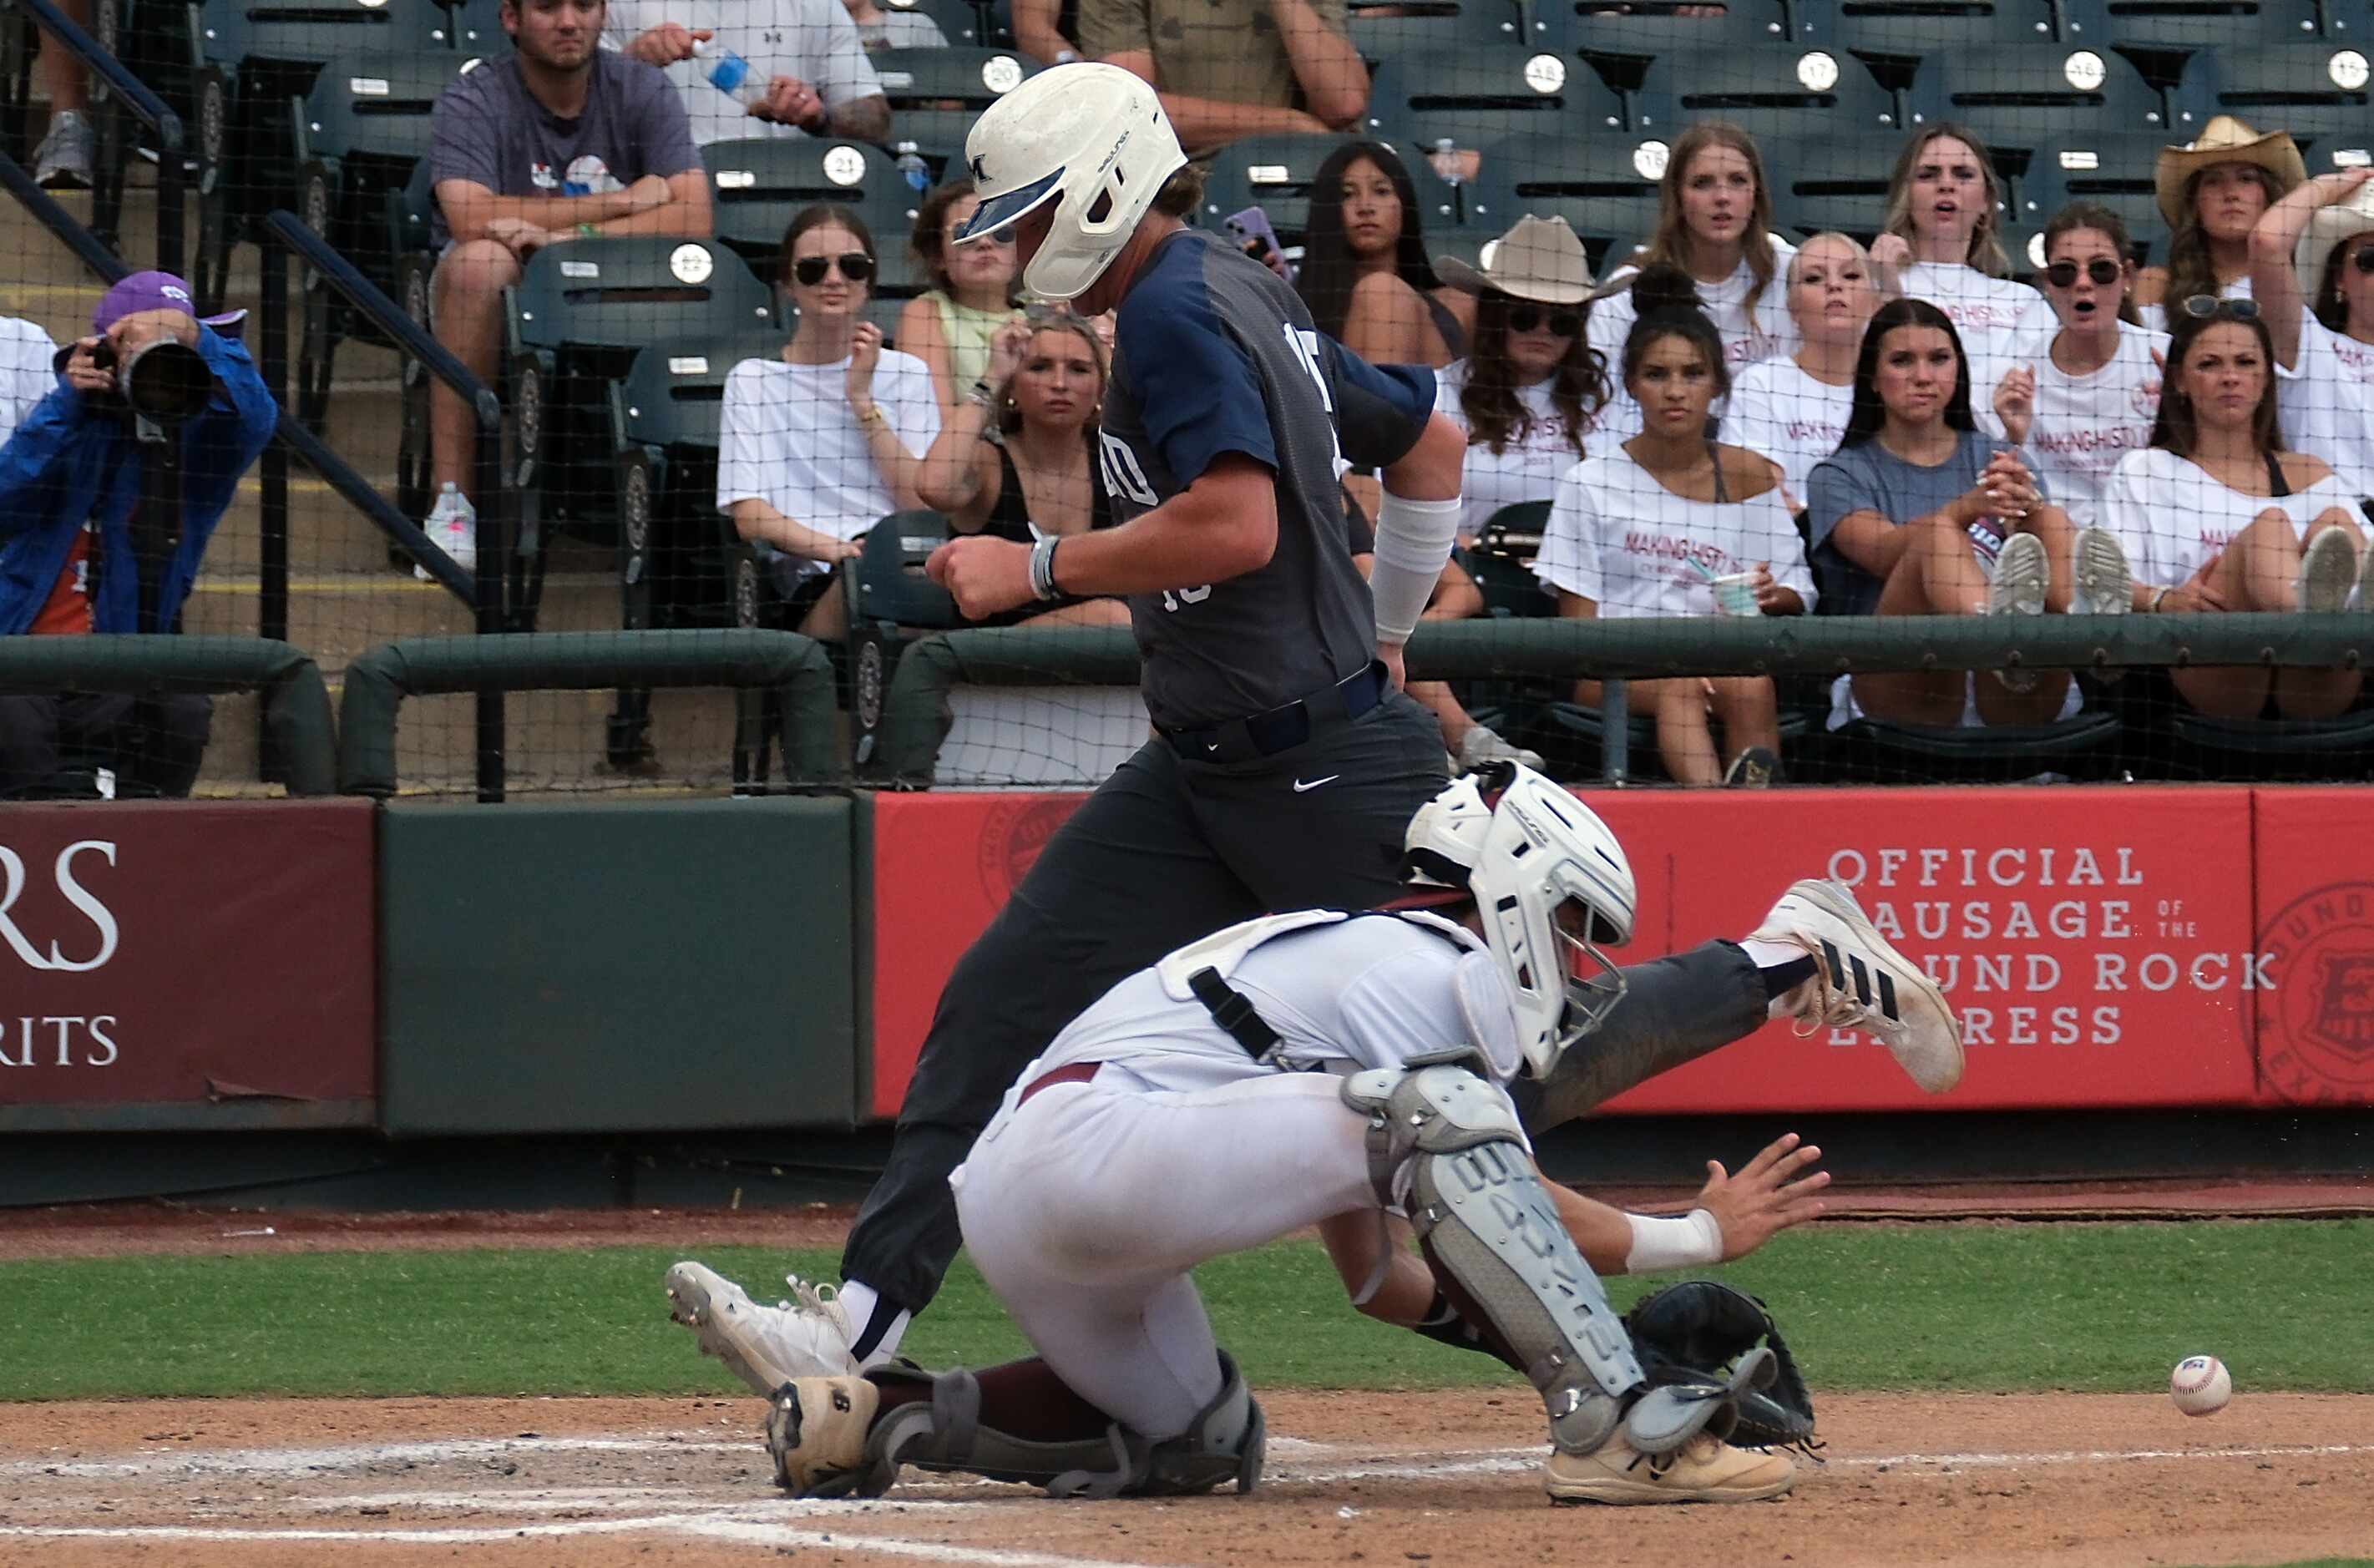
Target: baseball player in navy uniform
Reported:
[(1288, 764)]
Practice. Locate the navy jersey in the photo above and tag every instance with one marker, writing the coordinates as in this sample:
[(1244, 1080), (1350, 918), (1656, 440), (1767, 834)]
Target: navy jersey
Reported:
[(1213, 353)]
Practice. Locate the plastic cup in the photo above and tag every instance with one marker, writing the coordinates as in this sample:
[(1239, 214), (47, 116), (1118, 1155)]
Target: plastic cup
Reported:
[(1734, 594)]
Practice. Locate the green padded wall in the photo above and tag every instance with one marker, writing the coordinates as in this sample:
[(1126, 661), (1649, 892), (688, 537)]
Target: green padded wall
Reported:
[(616, 967)]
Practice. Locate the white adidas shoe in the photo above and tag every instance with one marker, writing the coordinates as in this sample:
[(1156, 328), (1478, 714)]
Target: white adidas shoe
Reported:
[(766, 1347), (2105, 584), (1862, 982)]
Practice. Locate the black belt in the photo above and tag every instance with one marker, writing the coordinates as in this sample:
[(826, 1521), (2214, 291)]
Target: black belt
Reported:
[(1283, 728)]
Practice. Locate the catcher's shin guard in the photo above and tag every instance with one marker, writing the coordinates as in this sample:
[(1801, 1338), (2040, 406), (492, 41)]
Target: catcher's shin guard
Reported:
[(1445, 1144), (1225, 1441)]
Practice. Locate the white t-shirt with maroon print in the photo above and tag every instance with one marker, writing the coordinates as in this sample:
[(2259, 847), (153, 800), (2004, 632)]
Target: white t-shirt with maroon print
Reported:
[(2083, 424), (2171, 516), (1634, 548), (1986, 311), (1778, 410), (1765, 332), (2326, 404), (1528, 469)]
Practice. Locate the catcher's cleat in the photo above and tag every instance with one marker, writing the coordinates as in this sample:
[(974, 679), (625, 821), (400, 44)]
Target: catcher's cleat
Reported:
[(1704, 1469), (817, 1432), (766, 1347), (1862, 982)]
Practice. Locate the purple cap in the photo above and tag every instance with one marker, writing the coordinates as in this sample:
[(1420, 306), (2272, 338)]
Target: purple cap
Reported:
[(156, 291)]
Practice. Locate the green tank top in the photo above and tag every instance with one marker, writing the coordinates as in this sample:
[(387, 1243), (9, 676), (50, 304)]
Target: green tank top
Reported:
[(967, 332)]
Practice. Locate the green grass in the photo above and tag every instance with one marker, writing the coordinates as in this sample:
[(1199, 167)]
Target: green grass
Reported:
[(2080, 1307)]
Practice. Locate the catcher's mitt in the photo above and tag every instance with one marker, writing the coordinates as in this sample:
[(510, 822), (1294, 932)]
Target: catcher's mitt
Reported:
[(1692, 1331)]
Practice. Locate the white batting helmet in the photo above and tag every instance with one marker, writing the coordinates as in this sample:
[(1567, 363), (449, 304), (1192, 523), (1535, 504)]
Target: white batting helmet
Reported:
[(1091, 138), (1524, 854)]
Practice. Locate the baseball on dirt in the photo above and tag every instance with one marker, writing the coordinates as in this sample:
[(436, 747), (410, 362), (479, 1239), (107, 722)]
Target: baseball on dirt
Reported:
[(2200, 1385)]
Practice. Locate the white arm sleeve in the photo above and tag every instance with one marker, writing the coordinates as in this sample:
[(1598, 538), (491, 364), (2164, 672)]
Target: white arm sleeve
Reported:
[(1414, 539)]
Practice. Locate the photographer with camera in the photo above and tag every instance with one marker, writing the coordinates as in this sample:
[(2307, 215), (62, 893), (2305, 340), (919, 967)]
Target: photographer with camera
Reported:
[(83, 550)]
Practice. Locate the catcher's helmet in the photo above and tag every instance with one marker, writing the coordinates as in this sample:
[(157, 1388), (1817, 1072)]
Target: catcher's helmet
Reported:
[(1525, 849), (1092, 139)]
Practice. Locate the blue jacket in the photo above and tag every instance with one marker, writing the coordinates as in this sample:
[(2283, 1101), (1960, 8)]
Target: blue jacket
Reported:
[(73, 460)]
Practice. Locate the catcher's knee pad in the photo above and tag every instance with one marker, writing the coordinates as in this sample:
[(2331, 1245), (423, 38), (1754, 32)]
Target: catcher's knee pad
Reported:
[(1225, 1441), (1445, 1145)]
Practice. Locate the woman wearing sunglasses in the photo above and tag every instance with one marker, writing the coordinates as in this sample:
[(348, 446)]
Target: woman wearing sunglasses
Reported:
[(1017, 459), (825, 439), (1649, 529), (2216, 515), (2078, 397), (1715, 222), (2312, 272), (1943, 236), (1794, 408), (949, 326), (1919, 513)]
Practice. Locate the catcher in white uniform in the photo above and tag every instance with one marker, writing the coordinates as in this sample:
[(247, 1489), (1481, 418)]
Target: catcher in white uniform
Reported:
[(1330, 1069)]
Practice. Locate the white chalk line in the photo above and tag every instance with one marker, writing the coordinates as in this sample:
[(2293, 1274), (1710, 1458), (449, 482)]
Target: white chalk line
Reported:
[(1502, 1461), (363, 1455)]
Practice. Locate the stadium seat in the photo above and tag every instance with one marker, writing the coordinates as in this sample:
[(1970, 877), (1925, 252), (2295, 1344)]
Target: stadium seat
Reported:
[(1582, 26), (2317, 91), (1831, 183), (364, 130), (890, 603), (936, 93), (2114, 169), (2013, 96), (758, 186), (1479, 96), (574, 322), (679, 560), (1772, 94), (2186, 26), (1605, 188), (1438, 27), (1269, 172), (250, 60), (962, 23), (1870, 749), (2252, 749), (1892, 39)]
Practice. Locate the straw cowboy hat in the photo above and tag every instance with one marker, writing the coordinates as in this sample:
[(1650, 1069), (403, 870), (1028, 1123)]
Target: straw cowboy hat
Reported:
[(2328, 227), (2224, 140), (1539, 259)]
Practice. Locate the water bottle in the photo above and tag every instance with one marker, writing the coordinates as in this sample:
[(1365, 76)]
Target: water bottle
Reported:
[(1446, 164), (730, 73), (912, 164)]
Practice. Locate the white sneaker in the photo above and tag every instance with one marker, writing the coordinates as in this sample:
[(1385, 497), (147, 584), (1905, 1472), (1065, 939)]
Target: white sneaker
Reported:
[(1482, 745), (1862, 982), (2328, 570), (766, 1347), (2105, 584), (63, 161), (2023, 573), (452, 526)]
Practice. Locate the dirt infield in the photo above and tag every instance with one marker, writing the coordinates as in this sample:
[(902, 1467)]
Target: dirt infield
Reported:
[(2075, 1481)]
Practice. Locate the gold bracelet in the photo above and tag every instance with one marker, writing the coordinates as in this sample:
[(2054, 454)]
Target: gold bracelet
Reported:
[(873, 415)]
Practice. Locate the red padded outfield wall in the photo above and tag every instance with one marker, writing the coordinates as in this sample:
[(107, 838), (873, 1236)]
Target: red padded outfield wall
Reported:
[(180, 964), (2144, 946)]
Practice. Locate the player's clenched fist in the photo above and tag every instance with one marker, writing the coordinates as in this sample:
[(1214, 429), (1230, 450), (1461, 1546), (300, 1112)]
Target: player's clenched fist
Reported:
[(983, 576)]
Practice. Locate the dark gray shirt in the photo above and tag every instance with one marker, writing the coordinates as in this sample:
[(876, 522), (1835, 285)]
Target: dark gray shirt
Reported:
[(491, 131), (1868, 477), (1213, 353)]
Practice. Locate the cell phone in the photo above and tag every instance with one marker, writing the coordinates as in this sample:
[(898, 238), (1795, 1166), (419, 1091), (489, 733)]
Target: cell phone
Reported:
[(1252, 227)]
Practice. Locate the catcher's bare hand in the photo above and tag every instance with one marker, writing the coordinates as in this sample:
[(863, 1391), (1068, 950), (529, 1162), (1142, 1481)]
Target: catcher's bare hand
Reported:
[(1771, 1192)]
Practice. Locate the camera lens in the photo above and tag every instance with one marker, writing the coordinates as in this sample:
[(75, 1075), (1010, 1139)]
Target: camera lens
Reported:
[(167, 380)]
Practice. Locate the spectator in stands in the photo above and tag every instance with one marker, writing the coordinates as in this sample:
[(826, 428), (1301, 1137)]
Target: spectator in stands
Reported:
[(809, 54), (1794, 407), (951, 326), (2213, 194), (1921, 514), (2314, 253), (1653, 528), (2079, 395), (2216, 515), (562, 140), (1364, 271), (1017, 459), (820, 442), (27, 372), (1047, 31), (63, 161), (1231, 68), (75, 557), (1715, 222), (1944, 237), (879, 29)]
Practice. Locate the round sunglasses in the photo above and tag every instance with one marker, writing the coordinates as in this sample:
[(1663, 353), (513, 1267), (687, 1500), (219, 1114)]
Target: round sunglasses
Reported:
[(856, 265), (2101, 270), (1528, 318), (2209, 308)]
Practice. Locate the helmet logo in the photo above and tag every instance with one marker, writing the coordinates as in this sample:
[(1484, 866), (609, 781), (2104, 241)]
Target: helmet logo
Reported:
[(979, 172)]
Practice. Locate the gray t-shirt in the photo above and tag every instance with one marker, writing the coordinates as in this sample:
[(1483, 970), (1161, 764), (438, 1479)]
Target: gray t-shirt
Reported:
[(491, 131), (1213, 353), (1868, 477)]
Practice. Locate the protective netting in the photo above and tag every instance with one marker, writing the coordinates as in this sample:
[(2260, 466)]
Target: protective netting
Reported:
[(1923, 310)]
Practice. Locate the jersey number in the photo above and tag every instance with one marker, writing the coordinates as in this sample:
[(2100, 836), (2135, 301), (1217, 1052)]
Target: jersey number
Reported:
[(1305, 346), (1122, 474)]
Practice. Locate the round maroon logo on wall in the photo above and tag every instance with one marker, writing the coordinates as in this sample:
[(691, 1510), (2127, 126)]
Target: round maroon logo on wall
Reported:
[(1010, 840), (2316, 1022)]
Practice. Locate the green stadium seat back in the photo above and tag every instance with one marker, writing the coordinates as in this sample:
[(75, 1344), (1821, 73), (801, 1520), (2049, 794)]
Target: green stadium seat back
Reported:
[(2111, 169), (674, 393), (1272, 173), (615, 296), (1433, 27), (2314, 90), (891, 587), (758, 186), (1782, 92), (1477, 96), (310, 33), (2013, 95), (961, 22), (1599, 186)]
